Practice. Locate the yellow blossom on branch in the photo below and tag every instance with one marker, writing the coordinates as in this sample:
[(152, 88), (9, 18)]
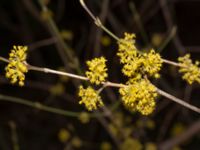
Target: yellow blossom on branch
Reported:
[(127, 50), (191, 72), (152, 63), (16, 68), (131, 68), (139, 96), (90, 98), (97, 70), (135, 62)]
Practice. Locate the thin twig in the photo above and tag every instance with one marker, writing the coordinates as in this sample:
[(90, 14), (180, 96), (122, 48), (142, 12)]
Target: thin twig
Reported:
[(170, 23), (139, 22), (168, 39), (179, 101), (98, 35), (88, 11), (64, 49), (4, 59), (40, 106), (42, 43), (194, 129), (97, 21), (14, 135), (172, 63), (51, 71), (47, 70)]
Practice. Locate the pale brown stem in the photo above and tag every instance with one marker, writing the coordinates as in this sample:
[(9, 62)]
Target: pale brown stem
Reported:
[(172, 63), (117, 85), (47, 70), (179, 101)]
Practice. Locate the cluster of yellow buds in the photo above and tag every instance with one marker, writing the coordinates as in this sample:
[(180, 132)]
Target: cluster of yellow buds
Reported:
[(135, 62), (152, 63), (191, 72), (96, 74), (90, 98), (97, 70), (16, 68), (127, 50), (139, 96)]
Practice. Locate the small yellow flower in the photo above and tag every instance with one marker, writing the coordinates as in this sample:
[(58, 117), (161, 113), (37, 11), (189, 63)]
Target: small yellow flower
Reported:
[(131, 68), (127, 50), (157, 39), (139, 96), (129, 57), (84, 117), (191, 72), (105, 40), (57, 89), (152, 63), (90, 98), (63, 135), (136, 63), (97, 70), (16, 68)]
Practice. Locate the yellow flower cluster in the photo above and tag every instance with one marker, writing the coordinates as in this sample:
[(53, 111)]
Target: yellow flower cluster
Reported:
[(191, 72), (152, 63), (17, 67), (139, 96), (97, 70), (136, 63), (127, 50), (90, 98)]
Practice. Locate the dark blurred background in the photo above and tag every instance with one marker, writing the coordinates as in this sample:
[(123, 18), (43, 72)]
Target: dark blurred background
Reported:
[(172, 27)]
